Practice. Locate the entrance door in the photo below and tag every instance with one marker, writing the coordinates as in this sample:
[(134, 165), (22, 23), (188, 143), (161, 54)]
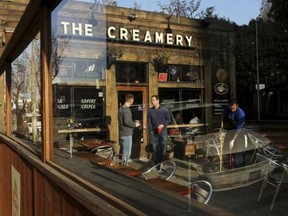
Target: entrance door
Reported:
[(139, 112)]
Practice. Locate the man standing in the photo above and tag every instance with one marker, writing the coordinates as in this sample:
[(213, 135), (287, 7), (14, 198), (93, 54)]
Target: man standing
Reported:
[(158, 119), (126, 126), (233, 121)]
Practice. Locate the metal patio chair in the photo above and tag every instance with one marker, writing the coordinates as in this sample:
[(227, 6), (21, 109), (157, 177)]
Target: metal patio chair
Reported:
[(201, 190), (277, 177), (164, 170), (264, 148), (105, 151), (120, 159)]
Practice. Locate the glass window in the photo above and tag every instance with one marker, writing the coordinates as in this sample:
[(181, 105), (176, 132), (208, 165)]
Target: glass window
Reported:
[(79, 71), (131, 72), (101, 53), (184, 105), (26, 95), (3, 102), (184, 73)]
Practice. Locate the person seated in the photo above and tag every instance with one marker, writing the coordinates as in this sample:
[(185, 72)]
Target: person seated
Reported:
[(193, 130)]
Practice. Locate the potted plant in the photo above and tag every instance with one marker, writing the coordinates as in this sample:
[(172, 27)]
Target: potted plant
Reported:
[(170, 148), (112, 55), (161, 60)]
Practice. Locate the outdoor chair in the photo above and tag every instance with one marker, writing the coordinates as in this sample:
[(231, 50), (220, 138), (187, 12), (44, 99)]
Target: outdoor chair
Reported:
[(105, 151), (160, 176), (263, 147), (164, 170), (119, 159), (272, 153), (277, 177), (201, 191)]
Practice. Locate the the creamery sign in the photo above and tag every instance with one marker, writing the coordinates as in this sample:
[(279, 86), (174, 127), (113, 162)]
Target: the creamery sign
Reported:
[(133, 35)]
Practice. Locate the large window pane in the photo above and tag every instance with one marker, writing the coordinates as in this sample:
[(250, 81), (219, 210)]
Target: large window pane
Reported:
[(26, 97), (79, 72), (3, 102)]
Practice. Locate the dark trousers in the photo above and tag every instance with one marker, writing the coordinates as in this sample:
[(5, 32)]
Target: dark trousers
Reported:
[(159, 145), (238, 149)]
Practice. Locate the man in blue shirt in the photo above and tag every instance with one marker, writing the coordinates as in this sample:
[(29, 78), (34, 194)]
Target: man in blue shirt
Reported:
[(233, 121), (158, 119)]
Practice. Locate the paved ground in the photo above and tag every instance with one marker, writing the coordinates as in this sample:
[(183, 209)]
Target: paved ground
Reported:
[(241, 201)]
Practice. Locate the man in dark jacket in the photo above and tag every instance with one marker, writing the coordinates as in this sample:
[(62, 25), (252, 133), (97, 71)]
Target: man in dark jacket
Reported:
[(158, 119)]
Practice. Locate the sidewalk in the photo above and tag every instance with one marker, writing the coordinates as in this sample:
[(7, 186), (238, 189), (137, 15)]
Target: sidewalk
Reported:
[(241, 201)]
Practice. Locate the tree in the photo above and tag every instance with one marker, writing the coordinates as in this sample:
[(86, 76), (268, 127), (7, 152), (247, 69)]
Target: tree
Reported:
[(180, 8), (278, 12), (189, 9), (109, 2), (272, 52), (137, 6)]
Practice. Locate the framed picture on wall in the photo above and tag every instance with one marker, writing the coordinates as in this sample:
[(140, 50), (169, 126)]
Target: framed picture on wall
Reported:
[(162, 77)]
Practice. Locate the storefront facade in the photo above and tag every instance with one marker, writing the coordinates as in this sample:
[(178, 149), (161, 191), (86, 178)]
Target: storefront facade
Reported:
[(116, 54), (64, 72)]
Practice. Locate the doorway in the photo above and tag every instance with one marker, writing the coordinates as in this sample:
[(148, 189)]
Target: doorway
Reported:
[(139, 112)]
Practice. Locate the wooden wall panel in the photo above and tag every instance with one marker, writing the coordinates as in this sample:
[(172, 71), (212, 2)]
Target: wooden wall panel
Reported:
[(48, 208), (2, 146), (40, 195), (38, 192), (6, 181), (26, 188)]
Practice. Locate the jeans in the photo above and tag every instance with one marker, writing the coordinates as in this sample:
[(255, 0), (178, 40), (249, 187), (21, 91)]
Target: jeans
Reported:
[(126, 148), (159, 145)]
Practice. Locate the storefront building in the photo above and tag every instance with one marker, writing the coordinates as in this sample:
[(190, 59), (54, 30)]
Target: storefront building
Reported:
[(75, 64), (99, 62)]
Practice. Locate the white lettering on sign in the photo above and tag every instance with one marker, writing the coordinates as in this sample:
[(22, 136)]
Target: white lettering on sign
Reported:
[(189, 40), (169, 38), (123, 34), (88, 106), (77, 29), (129, 35), (179, 40), (159, 37), (62, 106), (135, 35), (147, 37), (111, 32), (88, 101)]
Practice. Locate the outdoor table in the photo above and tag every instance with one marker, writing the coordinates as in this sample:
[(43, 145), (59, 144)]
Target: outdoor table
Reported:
[(91, 157), (171, 186), (126, 170), (79, 130), (95, 143)]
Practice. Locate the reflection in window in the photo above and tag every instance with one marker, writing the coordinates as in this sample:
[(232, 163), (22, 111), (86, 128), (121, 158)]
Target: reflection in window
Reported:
[(184, 73), (131, 72), (185, 102), (79, 71), (76, 108), (26, 99), (3, 103)]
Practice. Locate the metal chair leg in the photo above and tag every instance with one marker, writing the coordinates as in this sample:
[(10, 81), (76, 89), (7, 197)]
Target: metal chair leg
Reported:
[(275, 196), (277, 191), (262, 188)]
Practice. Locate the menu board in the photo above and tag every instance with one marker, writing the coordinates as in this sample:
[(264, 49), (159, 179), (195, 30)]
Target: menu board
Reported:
[(218, 106)]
